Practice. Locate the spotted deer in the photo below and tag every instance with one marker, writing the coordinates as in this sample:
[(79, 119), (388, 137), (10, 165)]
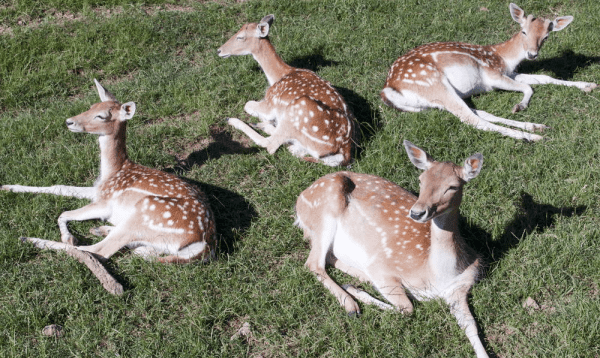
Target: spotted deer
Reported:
[(299, 108), (439, 75), (153, 212), (372, 229)]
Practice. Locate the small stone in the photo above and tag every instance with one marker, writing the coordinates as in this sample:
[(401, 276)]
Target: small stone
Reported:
[(242, 332), (53, 330), (530, 303)]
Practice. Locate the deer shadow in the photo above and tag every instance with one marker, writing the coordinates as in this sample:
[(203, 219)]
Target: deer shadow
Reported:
[(563, 67), (233, 215), (530, 217), (222, 143)]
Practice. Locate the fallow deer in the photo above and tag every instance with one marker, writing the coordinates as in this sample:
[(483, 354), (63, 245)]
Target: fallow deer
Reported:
[(299, 108), (439, 75), (372, 229), (153, 212)]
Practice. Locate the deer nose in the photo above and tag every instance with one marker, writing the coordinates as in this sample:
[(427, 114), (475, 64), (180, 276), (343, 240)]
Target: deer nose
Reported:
[(532, 55), (417, 215), (69, 122), (218, 51)]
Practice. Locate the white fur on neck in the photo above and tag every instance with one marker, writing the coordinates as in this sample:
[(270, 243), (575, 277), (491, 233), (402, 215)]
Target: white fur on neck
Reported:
[(442, 252), (104, 162), (270, 79)]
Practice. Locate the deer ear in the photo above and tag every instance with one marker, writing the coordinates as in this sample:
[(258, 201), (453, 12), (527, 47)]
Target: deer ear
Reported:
[(517, 13), (264, 24), (104, 94), (418, 156), (127, 111), (268, 19), (472, 166), (561, 22)]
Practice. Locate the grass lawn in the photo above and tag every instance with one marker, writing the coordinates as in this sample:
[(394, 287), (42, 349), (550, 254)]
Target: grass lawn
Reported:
[(533, 213)]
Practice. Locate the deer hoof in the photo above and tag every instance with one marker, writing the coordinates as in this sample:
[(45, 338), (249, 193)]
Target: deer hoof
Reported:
[(534, 138), (540, 127), (518, 107), (590, 87), (69, 239), (354, 314)]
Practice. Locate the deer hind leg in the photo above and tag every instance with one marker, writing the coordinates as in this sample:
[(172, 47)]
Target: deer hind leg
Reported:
[(317, 260), (197, 250), (406, 101), (543, 79)]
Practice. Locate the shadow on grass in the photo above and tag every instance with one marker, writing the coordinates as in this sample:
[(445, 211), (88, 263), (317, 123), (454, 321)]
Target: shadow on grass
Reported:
[(233, 215), (563, 67), (530, 217), (221, 144)]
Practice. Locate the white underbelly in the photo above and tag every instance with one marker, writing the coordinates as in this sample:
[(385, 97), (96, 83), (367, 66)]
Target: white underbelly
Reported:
[(350, 251), (466, 81)]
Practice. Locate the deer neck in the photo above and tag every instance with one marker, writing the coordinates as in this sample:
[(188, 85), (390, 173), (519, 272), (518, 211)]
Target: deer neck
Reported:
[(272, 65), (511, 52), (443, 250), (113, 153)]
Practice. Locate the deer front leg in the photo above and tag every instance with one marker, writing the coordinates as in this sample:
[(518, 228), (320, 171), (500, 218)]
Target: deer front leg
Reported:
[(455, 105), (532, 127), (508, 84), (366, 298), (60, 190), (271, 143), (543, 79), (460, 309), (260, 109), (98, 210), (101, 230)]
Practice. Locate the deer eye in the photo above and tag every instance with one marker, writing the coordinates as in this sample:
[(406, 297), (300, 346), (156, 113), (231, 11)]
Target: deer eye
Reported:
[(524, 33), (102, 117), (452, 188), (241, 38)]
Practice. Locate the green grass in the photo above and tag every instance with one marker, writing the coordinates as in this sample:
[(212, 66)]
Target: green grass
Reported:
[(533, 213)]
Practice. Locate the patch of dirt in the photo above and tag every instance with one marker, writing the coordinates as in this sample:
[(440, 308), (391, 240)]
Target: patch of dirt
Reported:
[(5, 30), (56, 17), (221, 142)]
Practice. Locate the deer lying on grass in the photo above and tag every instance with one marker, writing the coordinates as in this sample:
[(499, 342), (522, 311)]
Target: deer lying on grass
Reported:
[(374, 230), (153, 212), (439, 75), (299, 108)]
